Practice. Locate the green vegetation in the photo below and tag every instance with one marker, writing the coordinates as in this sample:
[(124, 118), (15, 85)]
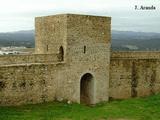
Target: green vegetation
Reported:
[(133, 109)]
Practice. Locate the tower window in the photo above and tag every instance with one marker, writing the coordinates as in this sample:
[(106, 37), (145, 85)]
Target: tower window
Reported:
[(84, 50), (47, 48), (61, 53)]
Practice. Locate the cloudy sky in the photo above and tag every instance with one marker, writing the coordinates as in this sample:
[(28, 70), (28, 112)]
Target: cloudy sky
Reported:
[(18, 15)]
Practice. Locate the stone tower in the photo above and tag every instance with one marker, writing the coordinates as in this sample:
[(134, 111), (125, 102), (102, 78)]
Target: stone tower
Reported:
[(83, 44), (73, 62)]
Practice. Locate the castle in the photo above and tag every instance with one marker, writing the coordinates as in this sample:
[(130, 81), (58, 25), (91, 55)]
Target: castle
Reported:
[(73, 61)]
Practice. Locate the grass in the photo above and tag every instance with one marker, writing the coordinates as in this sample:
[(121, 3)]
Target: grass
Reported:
[(133, 109)]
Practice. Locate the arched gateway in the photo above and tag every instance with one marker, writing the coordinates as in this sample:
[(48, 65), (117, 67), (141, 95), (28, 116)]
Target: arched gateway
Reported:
[(87, 89)]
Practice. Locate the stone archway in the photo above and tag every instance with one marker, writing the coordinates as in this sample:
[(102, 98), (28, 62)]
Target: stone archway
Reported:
[(86, 89)]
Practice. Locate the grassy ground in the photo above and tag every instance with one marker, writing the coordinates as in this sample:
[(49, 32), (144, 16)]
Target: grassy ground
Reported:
[(133, 109)]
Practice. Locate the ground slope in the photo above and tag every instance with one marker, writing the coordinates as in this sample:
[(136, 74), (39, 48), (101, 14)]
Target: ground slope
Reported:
[(133, 109)]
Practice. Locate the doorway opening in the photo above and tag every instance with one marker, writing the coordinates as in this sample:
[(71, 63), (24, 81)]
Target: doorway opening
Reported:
[(86, 89)]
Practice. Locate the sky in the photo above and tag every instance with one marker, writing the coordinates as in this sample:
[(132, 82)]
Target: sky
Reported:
[(18, 15)]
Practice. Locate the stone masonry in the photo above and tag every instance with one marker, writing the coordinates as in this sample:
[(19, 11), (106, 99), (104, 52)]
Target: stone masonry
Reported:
[(73, 61)]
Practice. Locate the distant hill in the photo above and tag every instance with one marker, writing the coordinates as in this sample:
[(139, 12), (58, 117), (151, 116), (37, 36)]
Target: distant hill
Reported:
[(19, 38), (128, 40), (121, 40)]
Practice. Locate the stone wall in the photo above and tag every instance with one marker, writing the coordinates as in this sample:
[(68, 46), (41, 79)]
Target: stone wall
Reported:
[(50, 33), (32, 83), (88, 51), (68, 47), (28, 78), (86, 29), (134, 74), (136, 55), (25, 59), (37, 78)]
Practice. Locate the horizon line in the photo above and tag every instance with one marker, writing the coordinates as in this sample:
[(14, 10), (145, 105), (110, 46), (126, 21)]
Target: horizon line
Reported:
[(111, 30)]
